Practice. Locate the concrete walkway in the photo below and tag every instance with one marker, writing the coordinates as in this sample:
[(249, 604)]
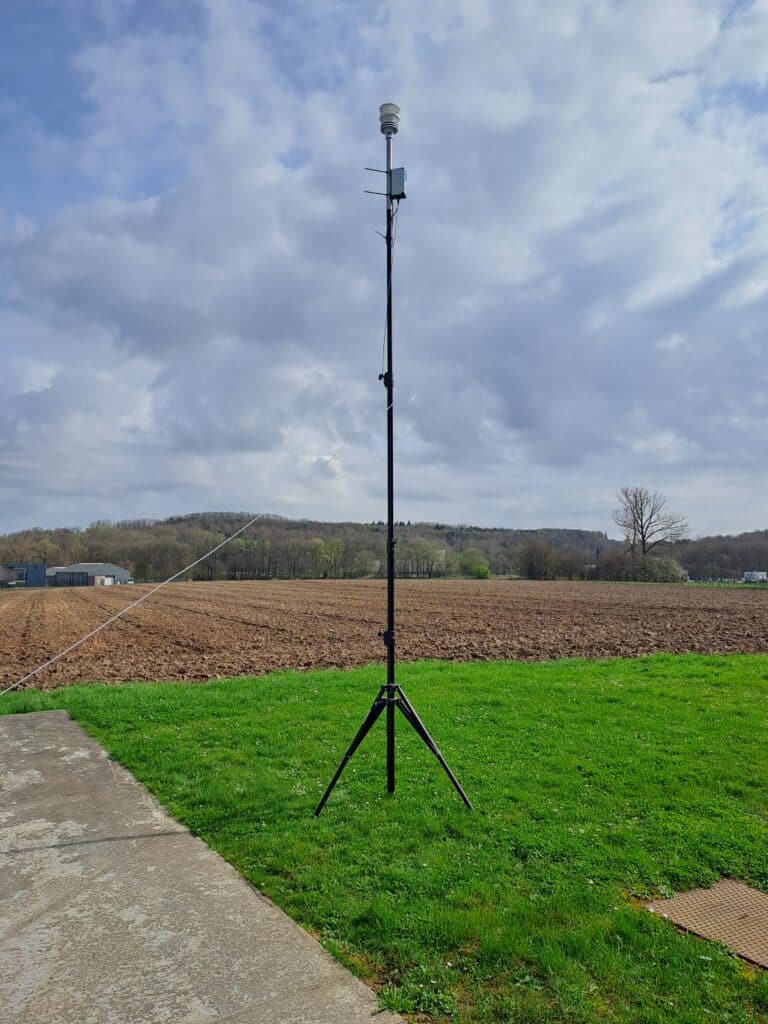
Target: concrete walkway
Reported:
[(112, 913)]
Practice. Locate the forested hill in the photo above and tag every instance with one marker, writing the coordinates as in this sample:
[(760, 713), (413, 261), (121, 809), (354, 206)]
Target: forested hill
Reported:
[(294, 548)]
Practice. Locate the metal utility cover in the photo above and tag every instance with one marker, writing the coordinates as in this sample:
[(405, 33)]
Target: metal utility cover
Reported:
[(730, 912)]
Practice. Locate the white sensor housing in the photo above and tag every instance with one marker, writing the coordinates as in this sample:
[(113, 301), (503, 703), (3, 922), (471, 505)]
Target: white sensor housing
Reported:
[(389, 118)]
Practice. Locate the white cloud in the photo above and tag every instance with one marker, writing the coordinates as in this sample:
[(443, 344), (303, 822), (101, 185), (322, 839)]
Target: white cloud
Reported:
[(578, 271)]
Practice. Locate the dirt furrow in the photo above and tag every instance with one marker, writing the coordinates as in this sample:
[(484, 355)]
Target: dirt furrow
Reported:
[(204, 630)]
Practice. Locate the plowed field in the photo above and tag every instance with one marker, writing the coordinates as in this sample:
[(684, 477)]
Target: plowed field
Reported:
[(208, 630)]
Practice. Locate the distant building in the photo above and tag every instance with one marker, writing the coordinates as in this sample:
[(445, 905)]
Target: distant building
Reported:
[(22, 574), (88, 574), (755, 577)]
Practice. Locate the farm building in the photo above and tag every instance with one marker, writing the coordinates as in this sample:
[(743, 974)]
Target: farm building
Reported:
[(88, 574), (22, 574)]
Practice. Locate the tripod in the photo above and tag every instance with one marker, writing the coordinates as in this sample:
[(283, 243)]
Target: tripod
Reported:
[(390, 696)]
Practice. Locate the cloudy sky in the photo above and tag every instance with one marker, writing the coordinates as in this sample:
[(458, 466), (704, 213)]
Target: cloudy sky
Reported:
[(192, 297)]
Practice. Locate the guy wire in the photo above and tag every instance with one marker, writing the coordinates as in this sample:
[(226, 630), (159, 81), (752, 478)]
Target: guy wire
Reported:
[(175, 576), (133, 604)]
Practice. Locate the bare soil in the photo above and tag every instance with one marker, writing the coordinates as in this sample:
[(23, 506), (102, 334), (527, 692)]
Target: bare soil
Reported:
[(194, 631)]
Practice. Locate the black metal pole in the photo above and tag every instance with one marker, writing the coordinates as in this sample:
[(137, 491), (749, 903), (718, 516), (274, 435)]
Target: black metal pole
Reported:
[(389, 384), (390, 696)]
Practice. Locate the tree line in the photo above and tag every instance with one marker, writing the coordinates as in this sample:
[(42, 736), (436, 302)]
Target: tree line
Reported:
[(302, 549), (294, 549), (655, 548)]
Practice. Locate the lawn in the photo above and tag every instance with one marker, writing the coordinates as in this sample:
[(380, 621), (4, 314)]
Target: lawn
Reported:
[(596, 785)]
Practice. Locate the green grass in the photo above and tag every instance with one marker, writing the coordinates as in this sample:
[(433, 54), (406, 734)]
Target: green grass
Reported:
[(596, 785)]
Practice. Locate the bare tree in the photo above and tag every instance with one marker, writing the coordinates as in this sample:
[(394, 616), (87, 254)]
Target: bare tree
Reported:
[(646, 521), (536, 560)]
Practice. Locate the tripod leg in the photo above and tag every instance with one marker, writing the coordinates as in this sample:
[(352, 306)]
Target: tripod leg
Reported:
[(409, 713), (391, 746), (375, 710)]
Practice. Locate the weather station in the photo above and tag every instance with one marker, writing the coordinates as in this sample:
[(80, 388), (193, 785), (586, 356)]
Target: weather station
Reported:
[(390, 697)]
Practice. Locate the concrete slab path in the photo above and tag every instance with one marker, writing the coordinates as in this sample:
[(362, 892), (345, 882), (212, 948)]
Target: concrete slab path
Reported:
[(111, 912)]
